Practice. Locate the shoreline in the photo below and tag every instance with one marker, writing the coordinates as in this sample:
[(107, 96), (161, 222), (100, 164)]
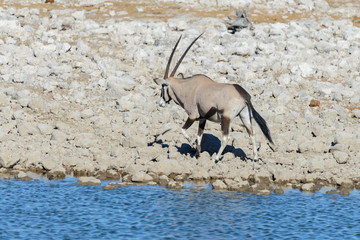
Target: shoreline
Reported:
[(256, 183)]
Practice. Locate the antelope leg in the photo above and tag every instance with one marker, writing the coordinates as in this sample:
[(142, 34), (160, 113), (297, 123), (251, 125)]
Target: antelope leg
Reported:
[(199, 136), (225, 127), (245, 117), (187, 124)]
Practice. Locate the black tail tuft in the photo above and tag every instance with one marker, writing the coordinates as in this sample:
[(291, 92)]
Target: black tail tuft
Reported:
[(262, 123)]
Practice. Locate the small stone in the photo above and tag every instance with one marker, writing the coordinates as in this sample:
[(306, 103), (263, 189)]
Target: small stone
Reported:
[(141, 177), (87, 113), (26, 128), (167, 167), (8, 158), (88, 181), (126, 178), (163, 180), (242, 186), (308, 187), (345, 191), (37, 104), (314, 103), (175, 185), (56, 173), (120, 184), (180, 178), (219, 185), (4, 100), (282, 175), (356, 113), (199, 174), (82, 47), (79, 15), (341, 157), (45, 129), (85, 140), (332, 191), (23, 176), (344, 182), (48, 163), (109, 187), (316, 164), (279, 191), (147, 154), (345, 138), (263, 192), (58, 135)]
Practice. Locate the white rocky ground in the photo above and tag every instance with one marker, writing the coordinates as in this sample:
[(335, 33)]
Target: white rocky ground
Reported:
[(77, 96)]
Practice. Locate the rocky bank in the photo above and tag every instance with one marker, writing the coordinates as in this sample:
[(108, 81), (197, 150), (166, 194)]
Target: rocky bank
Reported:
[(77, 93)]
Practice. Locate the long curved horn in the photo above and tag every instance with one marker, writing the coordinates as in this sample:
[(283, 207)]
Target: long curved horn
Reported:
[(182, 57), (168, 64)]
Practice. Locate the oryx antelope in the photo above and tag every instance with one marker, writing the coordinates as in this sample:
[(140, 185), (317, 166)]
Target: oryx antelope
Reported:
[(204, 99)]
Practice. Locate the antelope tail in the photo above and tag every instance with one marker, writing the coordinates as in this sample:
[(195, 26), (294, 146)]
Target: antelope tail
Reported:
[(261, 122)]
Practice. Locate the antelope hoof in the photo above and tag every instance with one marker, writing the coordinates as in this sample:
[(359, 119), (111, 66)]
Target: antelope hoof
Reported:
[(215, 159), (198, 149)]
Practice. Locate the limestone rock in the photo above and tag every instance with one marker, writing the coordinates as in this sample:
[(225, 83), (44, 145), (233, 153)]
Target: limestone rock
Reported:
[(8, 158), (38, 104), (219, 185), (88, 181), (341, 157), (26, 128), (45, 129), (279, 191), (167, 167), (58, 135), (49, 163), (199, 173), (108, 187), (308, 187), (134, 141), (56, 173), (163, 180), (85, 140), (242, 186), (175, 185), (141, 177), (23, 176)]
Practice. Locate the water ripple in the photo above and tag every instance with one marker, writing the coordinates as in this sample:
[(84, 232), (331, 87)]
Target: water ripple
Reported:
[(63, 210)]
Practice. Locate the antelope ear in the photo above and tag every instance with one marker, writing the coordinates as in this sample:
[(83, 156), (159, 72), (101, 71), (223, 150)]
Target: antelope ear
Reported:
[(159, 81)]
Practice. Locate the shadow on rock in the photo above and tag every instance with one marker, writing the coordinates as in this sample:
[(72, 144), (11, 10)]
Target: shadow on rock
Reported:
[(211, 145)]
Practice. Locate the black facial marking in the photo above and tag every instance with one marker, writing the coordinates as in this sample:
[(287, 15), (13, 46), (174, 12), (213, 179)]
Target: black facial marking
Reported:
[(163, 94)]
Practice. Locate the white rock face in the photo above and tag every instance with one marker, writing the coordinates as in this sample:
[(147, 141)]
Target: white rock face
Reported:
[(8, 159)]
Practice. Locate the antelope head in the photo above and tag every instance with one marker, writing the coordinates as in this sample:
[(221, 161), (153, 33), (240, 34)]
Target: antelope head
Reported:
[(164, 83)]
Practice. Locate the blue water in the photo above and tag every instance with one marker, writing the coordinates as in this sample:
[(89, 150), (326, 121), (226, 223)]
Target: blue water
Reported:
[(60, 209)]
